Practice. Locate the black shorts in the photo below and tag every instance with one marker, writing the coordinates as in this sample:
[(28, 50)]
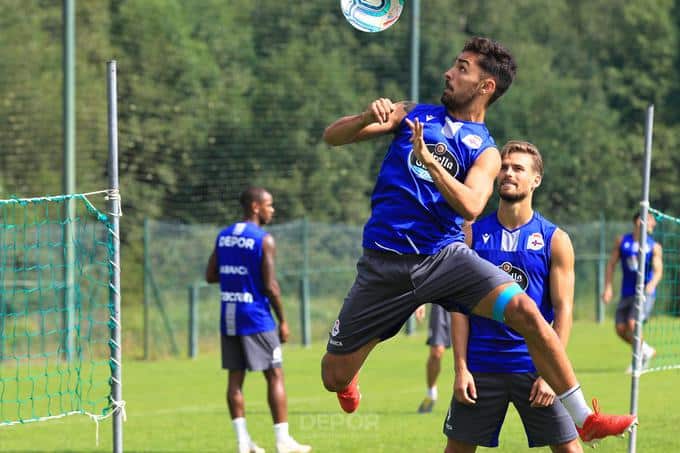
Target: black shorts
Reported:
[(439, 328), (389, 287), (257, 352), (481, 423)]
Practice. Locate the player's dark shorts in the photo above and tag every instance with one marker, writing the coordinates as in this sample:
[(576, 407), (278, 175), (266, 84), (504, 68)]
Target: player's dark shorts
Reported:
[(625, 309), (480, 424), (389, 287), (439, 329), (257, 352)]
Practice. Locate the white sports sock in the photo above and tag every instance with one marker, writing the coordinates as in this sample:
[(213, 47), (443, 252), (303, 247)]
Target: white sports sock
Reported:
[(241, 430), (281, 431), (575, 404), (646, 348), (432, 393)]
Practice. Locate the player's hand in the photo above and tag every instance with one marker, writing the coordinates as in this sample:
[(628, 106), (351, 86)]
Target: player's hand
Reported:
[(464, 389), (420, 313), (284, 332), (607, 295), (419, 147), (378, 112), (541, 395)]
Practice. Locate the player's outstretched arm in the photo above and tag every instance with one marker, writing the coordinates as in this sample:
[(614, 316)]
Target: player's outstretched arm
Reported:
[(614, 257), (657, 269), (562, 284), (382, 116), (271, 284), (211, 274)]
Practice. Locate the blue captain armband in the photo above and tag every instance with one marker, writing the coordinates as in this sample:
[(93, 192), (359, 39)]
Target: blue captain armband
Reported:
[(503, 299)]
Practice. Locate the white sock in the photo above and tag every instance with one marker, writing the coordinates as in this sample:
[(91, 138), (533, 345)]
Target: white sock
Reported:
[(646, 348), (242, 435), (432, 393), (281, 431), (575, 404)]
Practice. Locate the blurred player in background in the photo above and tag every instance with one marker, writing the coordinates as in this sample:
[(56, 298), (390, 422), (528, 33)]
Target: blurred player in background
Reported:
[(492, 362), (438, 172), (439, 339), (626, 250), (243, 264)]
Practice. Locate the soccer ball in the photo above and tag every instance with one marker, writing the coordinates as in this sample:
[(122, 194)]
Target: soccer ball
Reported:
[(372, 15)]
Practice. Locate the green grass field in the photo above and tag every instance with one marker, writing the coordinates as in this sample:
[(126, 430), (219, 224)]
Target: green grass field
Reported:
[(178, 405)]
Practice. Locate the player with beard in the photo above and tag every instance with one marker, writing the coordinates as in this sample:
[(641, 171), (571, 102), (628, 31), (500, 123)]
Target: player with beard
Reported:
[(439, 171), (492, 362)]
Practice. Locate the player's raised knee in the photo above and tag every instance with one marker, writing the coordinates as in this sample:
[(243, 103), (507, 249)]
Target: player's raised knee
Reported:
[(521, 313)]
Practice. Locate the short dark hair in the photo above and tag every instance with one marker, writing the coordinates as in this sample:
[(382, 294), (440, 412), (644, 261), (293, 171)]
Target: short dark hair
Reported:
[(495, 60), (518, 146), (250, 195)]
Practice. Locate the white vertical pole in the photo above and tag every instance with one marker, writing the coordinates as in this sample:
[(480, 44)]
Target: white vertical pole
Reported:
[(115, 212), (640, 283)]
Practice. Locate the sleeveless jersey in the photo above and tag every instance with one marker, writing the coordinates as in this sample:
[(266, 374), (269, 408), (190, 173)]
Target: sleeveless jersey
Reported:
[(408, 213), (628, 251), (245, 307), (524, 253)]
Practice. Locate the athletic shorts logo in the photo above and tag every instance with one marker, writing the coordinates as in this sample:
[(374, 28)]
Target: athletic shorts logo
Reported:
[(277, 355), (441, 154), (336, 328), (517, 274)]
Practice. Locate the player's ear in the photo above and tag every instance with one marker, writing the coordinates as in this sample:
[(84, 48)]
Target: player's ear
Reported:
[(487, 85), (538, 179)]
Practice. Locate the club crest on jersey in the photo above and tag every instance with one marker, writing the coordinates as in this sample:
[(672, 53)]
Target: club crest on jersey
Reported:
[(473, 141), (535, 242), (441, 154), (517, 274)]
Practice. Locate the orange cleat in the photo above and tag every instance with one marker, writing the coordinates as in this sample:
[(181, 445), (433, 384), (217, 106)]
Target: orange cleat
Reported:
[(350, 397), (598, 426)]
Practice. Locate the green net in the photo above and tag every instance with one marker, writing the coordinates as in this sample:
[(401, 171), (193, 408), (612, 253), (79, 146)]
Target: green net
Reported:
[(662, 329), (54, 336)]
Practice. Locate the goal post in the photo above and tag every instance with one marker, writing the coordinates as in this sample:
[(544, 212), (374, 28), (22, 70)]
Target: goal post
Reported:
[(41, 378)]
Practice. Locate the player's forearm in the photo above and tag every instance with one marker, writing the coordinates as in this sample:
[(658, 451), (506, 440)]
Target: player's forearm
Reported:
[(460, 333), (273, 292), (460, 197), (345, 130), (563, 323)]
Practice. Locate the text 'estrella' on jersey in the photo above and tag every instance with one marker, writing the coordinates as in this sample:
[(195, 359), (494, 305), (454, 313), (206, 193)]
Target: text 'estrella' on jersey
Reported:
[(408, 213), (524, 253), (245, 307)]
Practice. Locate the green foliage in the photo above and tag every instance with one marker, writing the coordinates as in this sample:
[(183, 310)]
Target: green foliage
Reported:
[(220, 94)]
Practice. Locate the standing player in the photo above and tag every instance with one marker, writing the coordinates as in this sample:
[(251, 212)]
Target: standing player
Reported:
[(439, 170), (243, 264), (439, 339), (492, 363), (626, 250)]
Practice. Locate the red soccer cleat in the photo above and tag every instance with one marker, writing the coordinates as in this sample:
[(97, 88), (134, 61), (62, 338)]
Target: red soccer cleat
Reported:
[(350, 397), (598, 426)]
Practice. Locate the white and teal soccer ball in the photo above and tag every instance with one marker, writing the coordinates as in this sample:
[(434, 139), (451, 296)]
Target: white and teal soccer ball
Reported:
[(372, 15)]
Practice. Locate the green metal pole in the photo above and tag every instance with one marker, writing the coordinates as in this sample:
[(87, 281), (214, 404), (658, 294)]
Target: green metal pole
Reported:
[(69, 177), (146, 296), (415, 85), (305, 321), (193, 320), (601, 263)]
